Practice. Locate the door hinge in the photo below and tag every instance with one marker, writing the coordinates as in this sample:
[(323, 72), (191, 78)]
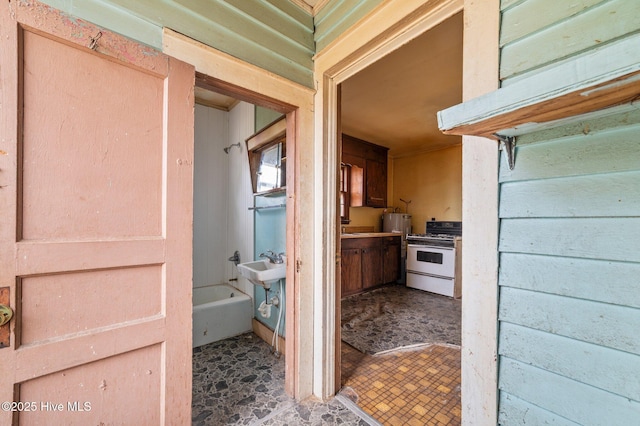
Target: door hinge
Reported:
[(298, 263)]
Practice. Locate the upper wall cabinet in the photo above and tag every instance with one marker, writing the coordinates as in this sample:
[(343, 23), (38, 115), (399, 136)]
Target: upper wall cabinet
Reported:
[(268, 158), (367, 164)]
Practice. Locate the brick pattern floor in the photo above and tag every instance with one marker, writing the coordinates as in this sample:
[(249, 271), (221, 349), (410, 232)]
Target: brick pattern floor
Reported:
[(418, 386)]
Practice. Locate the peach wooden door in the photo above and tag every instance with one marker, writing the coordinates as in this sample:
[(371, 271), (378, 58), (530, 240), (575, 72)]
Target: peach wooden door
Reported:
[(95, 234)]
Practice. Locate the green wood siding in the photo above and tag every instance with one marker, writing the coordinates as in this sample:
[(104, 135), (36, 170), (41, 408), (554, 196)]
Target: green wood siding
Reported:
[(537, 33), (337, 16), (264, 117), (274, 35), (569, 307)]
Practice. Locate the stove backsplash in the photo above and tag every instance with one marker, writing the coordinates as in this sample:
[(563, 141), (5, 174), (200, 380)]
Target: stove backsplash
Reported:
[(444, 227)]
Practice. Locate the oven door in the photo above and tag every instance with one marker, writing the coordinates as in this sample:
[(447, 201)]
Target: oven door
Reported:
[(437, 261)]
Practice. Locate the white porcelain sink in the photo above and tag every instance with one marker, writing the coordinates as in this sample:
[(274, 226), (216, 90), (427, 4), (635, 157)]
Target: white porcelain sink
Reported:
[(263, 272)]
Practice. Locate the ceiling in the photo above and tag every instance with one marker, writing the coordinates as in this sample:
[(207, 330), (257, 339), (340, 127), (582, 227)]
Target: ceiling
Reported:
[(214, 100), (394, 101)]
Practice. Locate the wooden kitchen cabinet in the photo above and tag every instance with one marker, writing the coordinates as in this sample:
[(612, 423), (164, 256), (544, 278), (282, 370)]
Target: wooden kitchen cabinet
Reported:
[(368, 263), (391, 259), (351, 270), (368, 164), (376, 183), (372, 264)]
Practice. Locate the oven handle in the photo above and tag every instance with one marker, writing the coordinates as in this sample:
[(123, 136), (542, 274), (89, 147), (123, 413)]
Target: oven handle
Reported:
[(429, 275)]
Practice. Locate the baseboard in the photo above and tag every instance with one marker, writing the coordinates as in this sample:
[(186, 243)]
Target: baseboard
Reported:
[(266, 334)]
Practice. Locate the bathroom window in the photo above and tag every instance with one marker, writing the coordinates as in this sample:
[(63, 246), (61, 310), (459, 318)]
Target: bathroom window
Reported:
[(268, 158), (272, 170)]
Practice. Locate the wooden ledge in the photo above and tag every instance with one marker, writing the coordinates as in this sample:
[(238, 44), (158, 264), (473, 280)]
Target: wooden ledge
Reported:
[(604, 78)]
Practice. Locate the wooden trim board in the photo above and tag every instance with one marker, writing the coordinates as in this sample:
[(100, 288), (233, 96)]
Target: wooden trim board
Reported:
[(604, 78), (266, 334)]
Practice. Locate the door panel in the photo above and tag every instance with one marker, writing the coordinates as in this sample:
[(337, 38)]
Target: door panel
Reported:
[(93, 146), (92, 390), (105, 288), (95, 245)]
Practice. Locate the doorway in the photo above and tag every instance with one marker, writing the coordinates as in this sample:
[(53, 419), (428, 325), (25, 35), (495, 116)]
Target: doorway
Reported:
[(393, 103), (221, 73), (480, 164)]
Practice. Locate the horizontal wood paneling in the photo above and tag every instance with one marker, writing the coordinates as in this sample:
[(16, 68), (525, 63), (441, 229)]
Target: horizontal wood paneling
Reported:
[(338, 16), (273, 35), (602, 324), (505, 4), (572, 400), (533, 15), (569, 306), (577, 33), (516, 412), (580, 278), (230, 23), (291, 11), (593, 195), (614, 150), (615, 239), (597, 366), (115, 18)]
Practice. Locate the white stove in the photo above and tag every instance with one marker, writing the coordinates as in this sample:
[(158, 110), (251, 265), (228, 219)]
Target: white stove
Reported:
[(431, 239), (433, 259)]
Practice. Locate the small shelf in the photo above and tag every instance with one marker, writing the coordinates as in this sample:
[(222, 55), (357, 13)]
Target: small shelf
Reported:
[(272, 192)]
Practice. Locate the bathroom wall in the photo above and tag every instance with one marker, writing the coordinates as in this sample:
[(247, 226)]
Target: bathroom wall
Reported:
[(240, 222), (222, 220), (223, 196), (211, 190), (270, 234)]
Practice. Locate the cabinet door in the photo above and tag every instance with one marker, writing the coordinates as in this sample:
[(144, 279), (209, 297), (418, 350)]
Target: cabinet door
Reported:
[(391, 262), (376, 184), (356, 178), (351, 271), (372, 266)]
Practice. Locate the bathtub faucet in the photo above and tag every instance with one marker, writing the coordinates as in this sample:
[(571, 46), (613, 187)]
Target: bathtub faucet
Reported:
[(273, 258)]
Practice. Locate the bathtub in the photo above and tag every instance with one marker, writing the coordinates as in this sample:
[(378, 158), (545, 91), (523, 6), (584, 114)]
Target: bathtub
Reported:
[(220, 311)]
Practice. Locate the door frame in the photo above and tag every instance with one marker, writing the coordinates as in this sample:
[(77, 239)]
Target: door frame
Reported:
[(228, 75), (385, 29)]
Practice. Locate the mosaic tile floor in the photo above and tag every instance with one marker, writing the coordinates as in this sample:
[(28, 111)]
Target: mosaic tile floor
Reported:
[(238, 381), (417, 386), (398, 316)]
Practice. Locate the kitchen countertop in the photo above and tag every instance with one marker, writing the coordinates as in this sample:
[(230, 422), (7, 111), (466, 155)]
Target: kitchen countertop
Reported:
[(370, 234)]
